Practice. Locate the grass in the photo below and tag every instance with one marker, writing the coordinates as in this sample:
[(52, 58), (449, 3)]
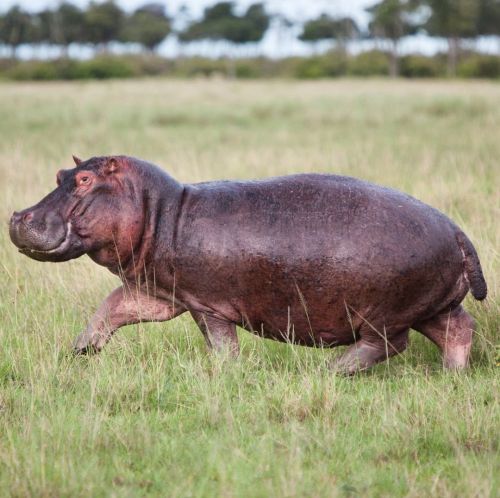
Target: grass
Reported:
[(154, 415)]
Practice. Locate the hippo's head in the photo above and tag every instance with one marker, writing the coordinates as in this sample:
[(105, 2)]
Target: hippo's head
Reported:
[(96, 209)]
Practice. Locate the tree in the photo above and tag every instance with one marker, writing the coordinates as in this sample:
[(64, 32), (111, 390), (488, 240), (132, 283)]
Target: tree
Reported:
[(211, 24), (16, 28), (489, 17), (453, 20), (62, 26), (318, 29), (103, 23), (391, 19), (148, 26), (70, 24), (42, 27), (256, 21), (220, 23), (328, 28)]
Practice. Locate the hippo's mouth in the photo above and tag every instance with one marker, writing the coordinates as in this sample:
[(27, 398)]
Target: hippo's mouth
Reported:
[(62, 247)]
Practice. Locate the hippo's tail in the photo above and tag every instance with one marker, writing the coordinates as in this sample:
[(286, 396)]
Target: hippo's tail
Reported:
[(472, 267)]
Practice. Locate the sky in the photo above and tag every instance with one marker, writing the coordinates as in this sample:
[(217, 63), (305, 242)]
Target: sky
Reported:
[(277, 42), (295, 9)]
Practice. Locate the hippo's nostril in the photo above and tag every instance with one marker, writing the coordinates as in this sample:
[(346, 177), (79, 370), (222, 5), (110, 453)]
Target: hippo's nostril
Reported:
[(28, 217)]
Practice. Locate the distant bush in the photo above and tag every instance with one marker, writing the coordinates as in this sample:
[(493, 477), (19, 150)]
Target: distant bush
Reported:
[(329, 65), (101, 68), (32, 70), (232, 68), (247, 69), (67, 69), (480, 66), (372, 63), (313, 67), (6, 65), (419, 66), (150, 65), (199, 66)]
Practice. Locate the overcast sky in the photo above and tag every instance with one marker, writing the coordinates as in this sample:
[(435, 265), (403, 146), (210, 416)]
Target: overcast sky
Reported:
[(296, 9)]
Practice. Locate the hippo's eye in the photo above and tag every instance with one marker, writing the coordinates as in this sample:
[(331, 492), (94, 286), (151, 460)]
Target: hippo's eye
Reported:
[(83, 179)]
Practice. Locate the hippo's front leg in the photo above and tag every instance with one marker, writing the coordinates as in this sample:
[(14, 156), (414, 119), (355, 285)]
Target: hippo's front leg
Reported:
[(122, 307)]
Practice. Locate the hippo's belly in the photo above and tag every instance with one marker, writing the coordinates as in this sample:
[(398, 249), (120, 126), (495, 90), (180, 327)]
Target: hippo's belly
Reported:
[(324, 300), (301, 332)]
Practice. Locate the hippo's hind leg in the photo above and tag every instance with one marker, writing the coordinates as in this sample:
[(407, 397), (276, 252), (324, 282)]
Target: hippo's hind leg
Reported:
[(452, 333), (373, 347), (220, 335)]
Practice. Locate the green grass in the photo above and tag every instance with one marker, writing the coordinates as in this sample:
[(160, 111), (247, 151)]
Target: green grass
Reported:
[(154, 415)]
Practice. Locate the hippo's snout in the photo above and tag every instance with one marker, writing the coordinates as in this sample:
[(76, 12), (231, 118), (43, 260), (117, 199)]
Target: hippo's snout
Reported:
[(25, 216), (37, 230)]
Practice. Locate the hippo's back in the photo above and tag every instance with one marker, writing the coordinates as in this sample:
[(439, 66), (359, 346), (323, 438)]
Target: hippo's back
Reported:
[(313, 215)]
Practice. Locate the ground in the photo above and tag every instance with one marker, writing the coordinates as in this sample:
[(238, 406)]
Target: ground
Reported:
[(154, 415)]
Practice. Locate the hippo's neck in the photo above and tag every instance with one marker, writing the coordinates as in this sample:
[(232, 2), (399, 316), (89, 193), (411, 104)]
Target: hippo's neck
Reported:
[(151, 263)]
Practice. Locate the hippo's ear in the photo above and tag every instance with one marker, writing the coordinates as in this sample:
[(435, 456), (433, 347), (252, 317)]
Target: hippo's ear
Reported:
[(111, 165), (77, 160)]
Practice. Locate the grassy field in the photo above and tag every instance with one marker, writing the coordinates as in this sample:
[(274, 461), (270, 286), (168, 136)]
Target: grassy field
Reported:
[(154, 415)]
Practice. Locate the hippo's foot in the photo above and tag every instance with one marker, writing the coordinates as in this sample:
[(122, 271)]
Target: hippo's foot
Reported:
[(369, 351), (452, 334), (87, 343)]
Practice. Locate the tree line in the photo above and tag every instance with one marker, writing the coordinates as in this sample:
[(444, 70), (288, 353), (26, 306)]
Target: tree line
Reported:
[(101, 23)]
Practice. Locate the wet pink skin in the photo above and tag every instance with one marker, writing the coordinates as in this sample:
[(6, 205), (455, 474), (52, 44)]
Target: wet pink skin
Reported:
[(317, 260)]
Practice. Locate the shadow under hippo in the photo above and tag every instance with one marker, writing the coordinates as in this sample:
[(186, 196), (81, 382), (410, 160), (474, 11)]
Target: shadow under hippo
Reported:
[(317, 260)]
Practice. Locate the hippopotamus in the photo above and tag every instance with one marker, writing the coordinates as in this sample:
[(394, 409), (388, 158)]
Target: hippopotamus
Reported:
[(310, 259)]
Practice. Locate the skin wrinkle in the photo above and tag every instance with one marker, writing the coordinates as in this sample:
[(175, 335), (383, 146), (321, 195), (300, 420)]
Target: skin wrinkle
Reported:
[(143, 244), (317, 260), (178, 217)]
